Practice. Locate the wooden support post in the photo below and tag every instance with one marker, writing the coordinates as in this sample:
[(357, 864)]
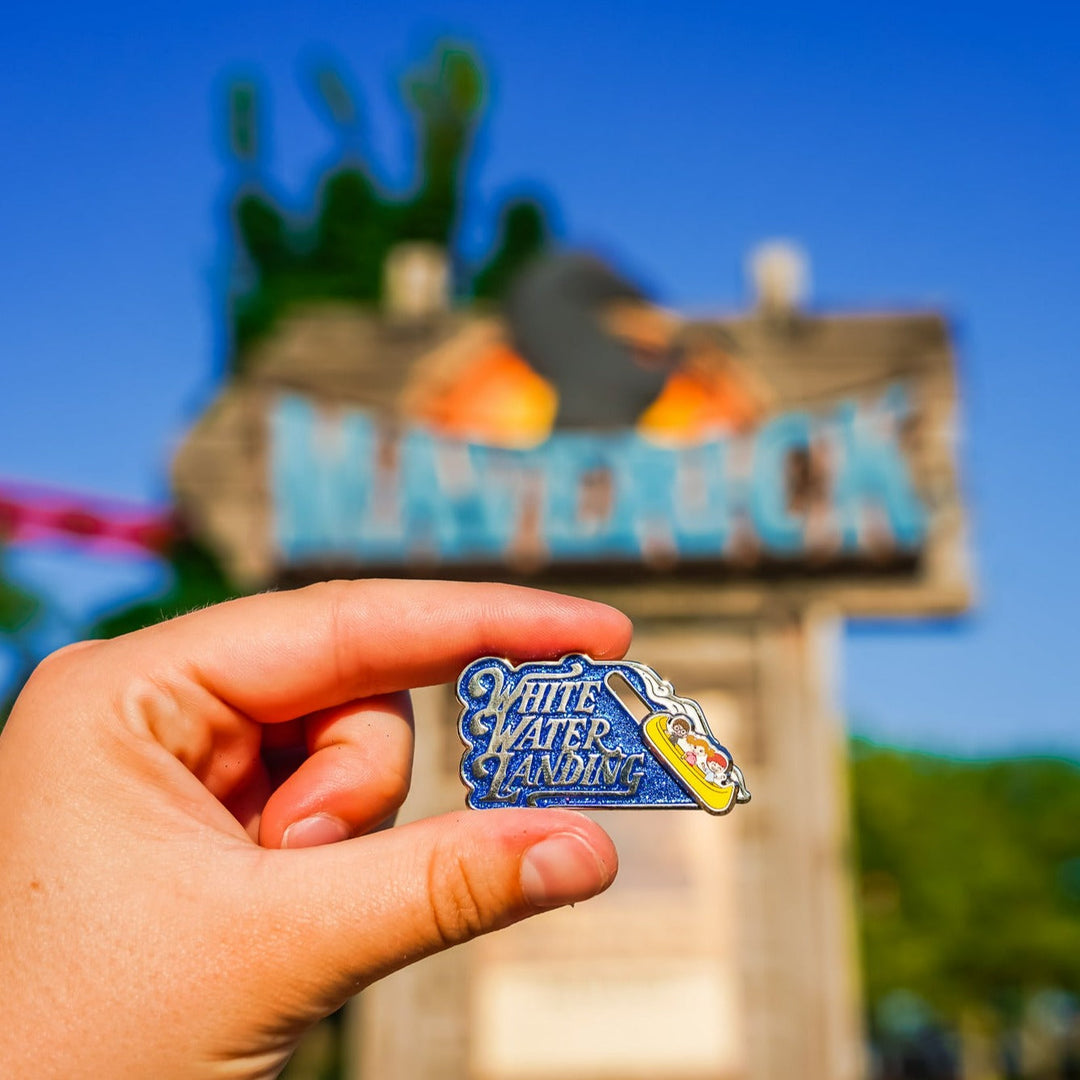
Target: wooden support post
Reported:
[(798, 930)]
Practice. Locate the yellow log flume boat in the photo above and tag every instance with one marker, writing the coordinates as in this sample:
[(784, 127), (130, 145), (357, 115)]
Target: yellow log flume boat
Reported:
[(701, 763)]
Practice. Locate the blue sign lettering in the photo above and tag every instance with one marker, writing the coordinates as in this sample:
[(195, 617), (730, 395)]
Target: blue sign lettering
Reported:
[(346, 487)]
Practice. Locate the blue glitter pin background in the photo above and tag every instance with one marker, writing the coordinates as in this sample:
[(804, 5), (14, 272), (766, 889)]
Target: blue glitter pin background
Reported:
[(656, 788)]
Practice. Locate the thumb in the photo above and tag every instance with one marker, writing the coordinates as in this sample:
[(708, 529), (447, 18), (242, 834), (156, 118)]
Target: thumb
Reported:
[(368, 906)]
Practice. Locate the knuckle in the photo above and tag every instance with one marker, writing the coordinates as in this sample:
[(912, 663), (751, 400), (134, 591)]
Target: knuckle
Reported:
[(335, 598), (457, 910), (58, 667), (61, 660), (153, 705), (334, 593)]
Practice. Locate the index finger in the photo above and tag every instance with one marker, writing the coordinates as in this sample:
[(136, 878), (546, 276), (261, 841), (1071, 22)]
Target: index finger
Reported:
[(280, 655)]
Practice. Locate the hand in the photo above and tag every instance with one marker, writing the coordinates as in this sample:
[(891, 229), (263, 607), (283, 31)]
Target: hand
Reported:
[(170, 902)]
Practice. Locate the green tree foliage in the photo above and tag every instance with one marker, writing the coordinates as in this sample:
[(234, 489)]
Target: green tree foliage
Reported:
[(335, 249), (970, 877)]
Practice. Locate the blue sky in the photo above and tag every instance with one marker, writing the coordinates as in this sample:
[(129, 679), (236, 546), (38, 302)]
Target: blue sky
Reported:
[(927, 157)]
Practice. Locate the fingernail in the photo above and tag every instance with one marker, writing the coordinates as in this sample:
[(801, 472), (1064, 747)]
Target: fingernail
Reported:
[(560, 870), (315, 830)]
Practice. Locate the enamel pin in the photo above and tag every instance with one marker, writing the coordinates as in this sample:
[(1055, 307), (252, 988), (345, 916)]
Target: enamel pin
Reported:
[(587, 733)]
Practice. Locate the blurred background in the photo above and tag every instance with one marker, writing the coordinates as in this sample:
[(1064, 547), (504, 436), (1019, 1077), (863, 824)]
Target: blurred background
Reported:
[(184, 187)]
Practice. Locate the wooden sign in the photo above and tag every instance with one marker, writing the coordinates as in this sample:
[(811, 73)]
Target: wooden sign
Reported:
[(729, 463)]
